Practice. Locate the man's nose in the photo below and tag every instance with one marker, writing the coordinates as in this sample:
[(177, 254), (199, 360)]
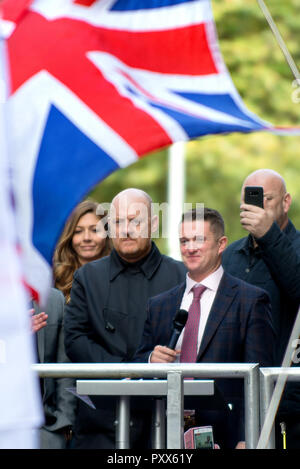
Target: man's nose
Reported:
[(192, 245), (124, 229)]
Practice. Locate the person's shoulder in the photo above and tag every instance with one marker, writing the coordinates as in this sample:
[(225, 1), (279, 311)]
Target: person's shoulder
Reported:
[(98, 265), (167, 294), (236, 244), (231, 249), (293, 233), (55, 294), (55, 304), (244, 286), (170, 261)]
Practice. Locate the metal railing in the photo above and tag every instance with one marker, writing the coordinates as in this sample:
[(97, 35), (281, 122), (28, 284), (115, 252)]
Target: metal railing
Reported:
[(154, 388), (268, 376), (174, 373)]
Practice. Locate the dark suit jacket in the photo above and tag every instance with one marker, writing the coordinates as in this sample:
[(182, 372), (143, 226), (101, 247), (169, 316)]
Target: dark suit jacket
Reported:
[(104, 322), (239, 328), (105, 317), (59, 404)]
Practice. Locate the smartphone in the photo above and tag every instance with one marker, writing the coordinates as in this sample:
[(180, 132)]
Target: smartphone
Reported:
[(203, 438), (254, 195)]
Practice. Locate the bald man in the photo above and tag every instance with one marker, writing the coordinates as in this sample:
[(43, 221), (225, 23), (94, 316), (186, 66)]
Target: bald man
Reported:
[(104, 320), (269, 257)]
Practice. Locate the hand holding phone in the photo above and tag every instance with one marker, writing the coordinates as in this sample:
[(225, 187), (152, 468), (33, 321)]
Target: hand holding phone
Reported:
[(257, 222)]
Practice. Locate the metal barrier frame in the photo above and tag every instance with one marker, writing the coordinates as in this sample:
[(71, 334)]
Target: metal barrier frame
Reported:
[(156, 388), (174, 374), (268, 376)]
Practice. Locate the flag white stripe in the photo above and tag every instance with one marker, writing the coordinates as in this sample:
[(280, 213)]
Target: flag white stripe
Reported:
[(148, 83), (6, 28)]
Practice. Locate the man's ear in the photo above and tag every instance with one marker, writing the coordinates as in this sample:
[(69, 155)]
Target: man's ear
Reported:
[(222, 244), (287, 202), (154, 223)]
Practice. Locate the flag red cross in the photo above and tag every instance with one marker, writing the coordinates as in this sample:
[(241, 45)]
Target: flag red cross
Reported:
[(61, 47)]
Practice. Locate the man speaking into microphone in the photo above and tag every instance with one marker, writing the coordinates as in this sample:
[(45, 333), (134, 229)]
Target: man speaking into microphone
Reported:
[(229, 321)]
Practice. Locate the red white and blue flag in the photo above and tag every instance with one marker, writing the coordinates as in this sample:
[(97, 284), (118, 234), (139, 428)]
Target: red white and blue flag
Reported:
[(95, 85)]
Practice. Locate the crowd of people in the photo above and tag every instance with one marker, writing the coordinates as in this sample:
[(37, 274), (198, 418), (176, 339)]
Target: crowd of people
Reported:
[(115, 296)]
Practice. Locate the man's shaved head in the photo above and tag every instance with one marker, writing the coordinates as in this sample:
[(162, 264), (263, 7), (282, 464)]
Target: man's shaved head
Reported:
[(133, 194), (276, 198), (261, 175)]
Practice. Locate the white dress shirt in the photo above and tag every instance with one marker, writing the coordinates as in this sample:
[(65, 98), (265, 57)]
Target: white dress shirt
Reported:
[(211, 283)]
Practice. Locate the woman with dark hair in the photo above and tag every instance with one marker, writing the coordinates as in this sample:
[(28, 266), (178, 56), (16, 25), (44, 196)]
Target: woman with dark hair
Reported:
[(84, 239)]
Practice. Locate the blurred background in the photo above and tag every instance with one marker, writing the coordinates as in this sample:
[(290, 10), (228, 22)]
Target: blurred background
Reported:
[(215, 166)]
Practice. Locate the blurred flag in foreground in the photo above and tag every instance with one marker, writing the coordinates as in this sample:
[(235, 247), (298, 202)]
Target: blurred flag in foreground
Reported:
[(20, 402), (95, 85)]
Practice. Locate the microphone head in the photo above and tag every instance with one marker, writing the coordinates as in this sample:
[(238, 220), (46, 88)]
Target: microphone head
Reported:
[(180, 319)]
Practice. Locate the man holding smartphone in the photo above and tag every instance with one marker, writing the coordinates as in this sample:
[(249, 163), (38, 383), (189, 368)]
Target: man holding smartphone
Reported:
[(269, 257)]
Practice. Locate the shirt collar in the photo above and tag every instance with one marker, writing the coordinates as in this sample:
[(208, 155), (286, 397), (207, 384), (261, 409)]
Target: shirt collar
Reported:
[(148, 266), (211, 282), (246, 245)]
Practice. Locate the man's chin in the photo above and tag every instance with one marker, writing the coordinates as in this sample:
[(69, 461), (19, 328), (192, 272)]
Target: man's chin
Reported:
[(192, 263), (128, 245), (129, 251)]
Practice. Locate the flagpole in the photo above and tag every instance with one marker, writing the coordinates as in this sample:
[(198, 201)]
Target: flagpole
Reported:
[(279, 39), (176, 195)]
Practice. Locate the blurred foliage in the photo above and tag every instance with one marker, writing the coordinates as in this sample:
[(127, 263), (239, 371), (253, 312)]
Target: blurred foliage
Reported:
[(217, 165)]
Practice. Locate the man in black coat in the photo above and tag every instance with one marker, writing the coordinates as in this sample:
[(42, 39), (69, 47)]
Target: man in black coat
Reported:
[(105, 317), (269, 257)]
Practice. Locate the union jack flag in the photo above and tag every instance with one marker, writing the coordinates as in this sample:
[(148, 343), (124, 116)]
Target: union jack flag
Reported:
[(97, 84)]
